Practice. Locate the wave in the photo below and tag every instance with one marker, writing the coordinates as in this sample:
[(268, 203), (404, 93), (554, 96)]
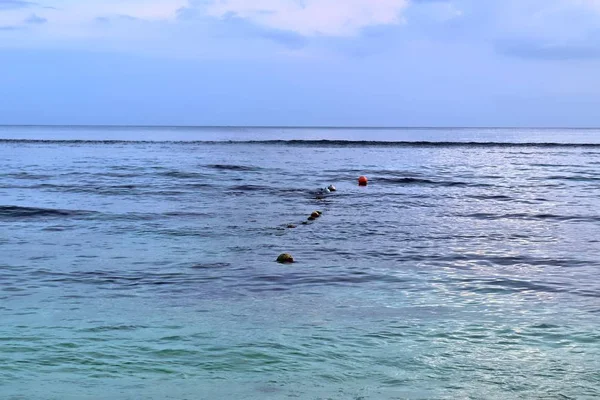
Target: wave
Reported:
[(249, 188), (32, 212), (541, 216), (183, 175), (125, 279), (26, 176), (319, 143), (227, 167), (126, 189), (418, 181), (574, 178)]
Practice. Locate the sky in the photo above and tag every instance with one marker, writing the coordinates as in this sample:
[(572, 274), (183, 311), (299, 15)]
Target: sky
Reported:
[(521, 63)]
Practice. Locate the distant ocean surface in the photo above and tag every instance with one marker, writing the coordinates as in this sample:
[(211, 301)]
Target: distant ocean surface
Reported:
[(254, 134), (139, 263)]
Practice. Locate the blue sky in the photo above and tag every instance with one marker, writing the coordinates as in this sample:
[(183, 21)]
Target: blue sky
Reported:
[(301, 62)]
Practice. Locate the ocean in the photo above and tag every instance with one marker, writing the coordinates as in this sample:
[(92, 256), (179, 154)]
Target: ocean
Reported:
[(139, 263)]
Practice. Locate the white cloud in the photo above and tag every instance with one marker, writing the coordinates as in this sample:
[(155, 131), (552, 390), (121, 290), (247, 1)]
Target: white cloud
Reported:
[(562, 20), (76, 17), (82, 11), (594, 4), (432, 10), (312, 17), (143, 9)]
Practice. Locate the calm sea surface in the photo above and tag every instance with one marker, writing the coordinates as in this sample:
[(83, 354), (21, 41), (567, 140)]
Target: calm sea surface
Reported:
[(469, 268)]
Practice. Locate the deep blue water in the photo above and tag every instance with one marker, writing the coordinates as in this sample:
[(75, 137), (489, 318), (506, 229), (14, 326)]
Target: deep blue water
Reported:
[(135, 270)]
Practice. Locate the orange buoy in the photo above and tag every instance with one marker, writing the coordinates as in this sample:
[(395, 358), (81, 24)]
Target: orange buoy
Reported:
[(362, 181)]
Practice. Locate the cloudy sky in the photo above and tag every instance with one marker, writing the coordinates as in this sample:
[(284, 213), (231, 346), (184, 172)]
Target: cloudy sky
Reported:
[(301, 62)]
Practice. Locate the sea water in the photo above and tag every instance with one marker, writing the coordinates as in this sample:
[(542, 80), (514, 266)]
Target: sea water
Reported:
[(467, 268)]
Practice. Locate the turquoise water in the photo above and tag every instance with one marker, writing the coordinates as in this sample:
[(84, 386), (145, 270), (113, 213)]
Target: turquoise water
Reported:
[(146, 270)]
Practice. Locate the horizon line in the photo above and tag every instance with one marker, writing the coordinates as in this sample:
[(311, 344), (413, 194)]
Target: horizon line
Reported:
[(283, 126)]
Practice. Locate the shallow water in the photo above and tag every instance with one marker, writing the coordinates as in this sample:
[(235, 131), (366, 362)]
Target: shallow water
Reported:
[(146, 270)]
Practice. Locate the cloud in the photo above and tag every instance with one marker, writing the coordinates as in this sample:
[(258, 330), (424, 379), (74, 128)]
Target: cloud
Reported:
[(152, 10), (549, 30), (433, 10), (114, 18), (308, 17), (531, 29), (288, 39), (240, 29), (35, 20), (542, 29), (14, 4), (82, 13), (555, 52), (594, 4)]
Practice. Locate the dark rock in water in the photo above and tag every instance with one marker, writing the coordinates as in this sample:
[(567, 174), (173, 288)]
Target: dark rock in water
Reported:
[(291, 226), (285, 258), (311, 218), (305, 223), (315, 214)]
